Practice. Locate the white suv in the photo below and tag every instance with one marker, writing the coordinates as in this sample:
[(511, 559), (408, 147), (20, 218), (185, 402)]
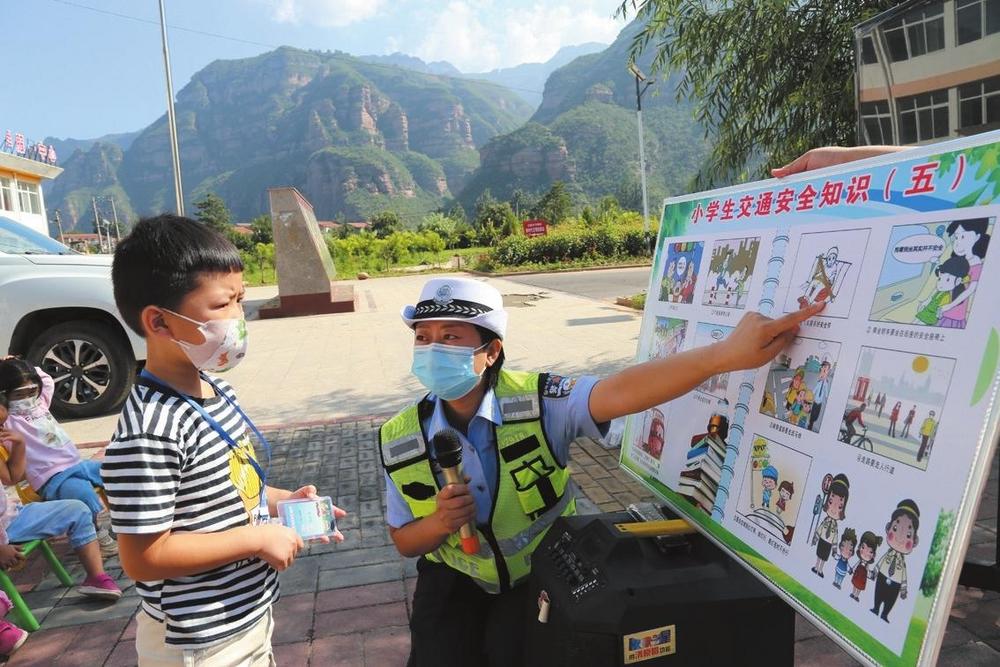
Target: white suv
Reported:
[(57, 310)]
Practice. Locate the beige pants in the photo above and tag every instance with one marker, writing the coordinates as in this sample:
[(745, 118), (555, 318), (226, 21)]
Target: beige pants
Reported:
[(250, 648)]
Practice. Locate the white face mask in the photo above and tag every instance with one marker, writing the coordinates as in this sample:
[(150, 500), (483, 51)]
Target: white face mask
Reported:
[(224, 347), (24, 406)]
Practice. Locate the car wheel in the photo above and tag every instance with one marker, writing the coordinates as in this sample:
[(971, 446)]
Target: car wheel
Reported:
[(91, 364)]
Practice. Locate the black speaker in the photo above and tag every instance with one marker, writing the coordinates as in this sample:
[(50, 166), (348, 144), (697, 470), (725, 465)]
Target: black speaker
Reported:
[(615, 599)]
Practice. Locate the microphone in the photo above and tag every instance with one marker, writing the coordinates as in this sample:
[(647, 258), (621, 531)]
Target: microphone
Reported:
[(448, 450)]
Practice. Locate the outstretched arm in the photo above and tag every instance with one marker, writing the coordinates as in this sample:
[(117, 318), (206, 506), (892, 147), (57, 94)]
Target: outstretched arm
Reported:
[(828, 156), (755, 341)]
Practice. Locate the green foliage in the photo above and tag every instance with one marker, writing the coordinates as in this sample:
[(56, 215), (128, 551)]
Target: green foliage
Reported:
[(243, 242), (258, 262), (555, 206), (386, 223), (441, 225), (615, 239), (935, 559), (786, 89), (263, 232), (366, 252), (212, 211), (494, 220)]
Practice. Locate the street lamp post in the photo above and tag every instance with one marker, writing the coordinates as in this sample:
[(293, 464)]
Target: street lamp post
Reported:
[(171, 120), (642, 84)]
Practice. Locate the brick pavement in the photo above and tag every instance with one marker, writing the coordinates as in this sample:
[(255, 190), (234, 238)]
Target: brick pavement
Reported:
[(348, 605)]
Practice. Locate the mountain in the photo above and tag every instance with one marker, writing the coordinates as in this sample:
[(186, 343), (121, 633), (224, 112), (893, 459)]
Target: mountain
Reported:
[(528, 79), (354, 137), (584, 133), (416, 64), (88, 173), (66, 147)]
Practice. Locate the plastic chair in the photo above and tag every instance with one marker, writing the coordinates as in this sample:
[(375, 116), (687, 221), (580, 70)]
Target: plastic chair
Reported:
[(27, 619)]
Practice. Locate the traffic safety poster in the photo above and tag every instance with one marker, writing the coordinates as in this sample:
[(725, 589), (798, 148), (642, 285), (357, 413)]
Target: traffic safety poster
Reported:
[(846, 474)]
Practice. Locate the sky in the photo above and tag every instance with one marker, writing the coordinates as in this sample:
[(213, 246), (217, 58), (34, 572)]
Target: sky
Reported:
[(83, 73)]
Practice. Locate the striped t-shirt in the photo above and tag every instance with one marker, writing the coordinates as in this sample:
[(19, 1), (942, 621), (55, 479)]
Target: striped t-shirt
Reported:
[(167, 469)]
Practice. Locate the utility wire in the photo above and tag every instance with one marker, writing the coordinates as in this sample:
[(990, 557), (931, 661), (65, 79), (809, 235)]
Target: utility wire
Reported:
[(346, 57)]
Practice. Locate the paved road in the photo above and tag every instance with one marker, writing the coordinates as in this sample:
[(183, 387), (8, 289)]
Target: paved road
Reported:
[(606, 284)]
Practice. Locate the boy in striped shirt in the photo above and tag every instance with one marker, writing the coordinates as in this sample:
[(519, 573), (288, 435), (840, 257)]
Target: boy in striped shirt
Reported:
[(188, 498)]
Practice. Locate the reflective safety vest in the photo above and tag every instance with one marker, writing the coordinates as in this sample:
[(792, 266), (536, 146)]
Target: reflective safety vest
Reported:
[(533, 488)]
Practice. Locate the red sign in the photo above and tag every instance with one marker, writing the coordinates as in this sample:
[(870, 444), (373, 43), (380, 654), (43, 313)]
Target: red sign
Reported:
[(533, 228)]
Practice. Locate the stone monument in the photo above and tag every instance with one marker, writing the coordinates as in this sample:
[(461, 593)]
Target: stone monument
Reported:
[(302, 261)]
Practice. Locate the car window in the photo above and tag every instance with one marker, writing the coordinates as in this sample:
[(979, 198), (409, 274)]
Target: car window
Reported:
[(17, 239)]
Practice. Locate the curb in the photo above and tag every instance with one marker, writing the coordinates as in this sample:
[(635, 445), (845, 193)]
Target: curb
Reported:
[(567, 270)]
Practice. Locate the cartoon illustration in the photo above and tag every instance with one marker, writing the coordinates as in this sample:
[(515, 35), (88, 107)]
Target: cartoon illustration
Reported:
[(774, 470), (699, 480), (769, 482), (870, 543), (730, 271), (916, 385), (826, 270), (845, 550), (890, 572), (653, 443), (785, 492), (835, 507), (798, 383), (706, 334), (679, 281), (668, 337), (931, 273)]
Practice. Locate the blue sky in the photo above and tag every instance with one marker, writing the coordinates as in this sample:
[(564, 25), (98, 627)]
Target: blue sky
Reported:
[(82, 73)]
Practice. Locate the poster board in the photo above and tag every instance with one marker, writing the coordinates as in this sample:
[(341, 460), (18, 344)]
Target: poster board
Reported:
[(850, 468)]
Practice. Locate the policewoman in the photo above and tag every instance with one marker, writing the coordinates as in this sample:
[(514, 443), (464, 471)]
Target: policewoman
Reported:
[(515, 430)]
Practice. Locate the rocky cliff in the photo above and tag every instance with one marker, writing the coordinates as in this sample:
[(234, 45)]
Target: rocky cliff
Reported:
[(355, 137)]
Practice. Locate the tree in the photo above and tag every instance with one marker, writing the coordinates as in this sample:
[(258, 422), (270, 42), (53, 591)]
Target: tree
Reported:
[(768, 81), (212, 211), (521, 202), (263, 232), (263, 253), (385, 223), (494, 220), (457, 213), (441, 225), (555, 205)]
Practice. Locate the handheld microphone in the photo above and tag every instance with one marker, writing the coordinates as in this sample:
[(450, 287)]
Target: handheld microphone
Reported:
[(448, 450)]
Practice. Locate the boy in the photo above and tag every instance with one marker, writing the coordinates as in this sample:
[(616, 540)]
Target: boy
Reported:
[(188, 498)]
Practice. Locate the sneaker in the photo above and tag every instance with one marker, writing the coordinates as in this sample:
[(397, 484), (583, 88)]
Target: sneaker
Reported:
[(11, 637), (100, 586), (109, 547)]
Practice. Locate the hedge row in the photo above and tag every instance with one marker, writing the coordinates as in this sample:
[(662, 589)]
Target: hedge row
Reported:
[(565, 246)]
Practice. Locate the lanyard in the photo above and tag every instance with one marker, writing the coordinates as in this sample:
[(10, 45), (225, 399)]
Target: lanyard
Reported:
[(233, 445)]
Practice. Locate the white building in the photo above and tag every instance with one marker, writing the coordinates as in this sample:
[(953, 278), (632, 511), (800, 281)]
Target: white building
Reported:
[(928, 70), (21, 177)]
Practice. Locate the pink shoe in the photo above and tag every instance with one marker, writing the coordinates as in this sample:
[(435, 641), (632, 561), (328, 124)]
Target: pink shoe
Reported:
[(100, 586), (11, 637)]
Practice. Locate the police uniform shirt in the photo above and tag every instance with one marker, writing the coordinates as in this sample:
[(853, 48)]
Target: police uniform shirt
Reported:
[(893, 567), (566, 417)]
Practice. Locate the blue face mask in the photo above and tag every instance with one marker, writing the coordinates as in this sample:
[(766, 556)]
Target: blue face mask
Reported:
[(446, 370)]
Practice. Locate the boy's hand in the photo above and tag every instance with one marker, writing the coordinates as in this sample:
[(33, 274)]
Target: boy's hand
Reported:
[(758, 339), (455, 507), (10, 556), (12, 438), (278, 545), (308, 492)]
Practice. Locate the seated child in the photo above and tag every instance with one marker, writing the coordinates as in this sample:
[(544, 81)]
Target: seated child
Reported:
[(42, 520), (54, 467)]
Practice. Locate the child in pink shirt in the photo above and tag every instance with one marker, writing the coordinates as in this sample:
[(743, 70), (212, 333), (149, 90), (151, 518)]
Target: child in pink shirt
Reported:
[(54, 467), (42, 520)]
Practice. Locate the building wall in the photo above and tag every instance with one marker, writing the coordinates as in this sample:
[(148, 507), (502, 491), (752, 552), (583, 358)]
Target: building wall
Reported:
[(941, 70), (37, 222)]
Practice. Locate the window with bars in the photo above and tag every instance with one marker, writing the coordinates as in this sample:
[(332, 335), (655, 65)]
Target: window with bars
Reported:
[(27, 197), (923, 117), (877, 122), (974, 19), (916, 33), (979, 103)]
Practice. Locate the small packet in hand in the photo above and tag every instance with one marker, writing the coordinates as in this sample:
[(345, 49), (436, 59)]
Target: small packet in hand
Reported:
[(311, 518)]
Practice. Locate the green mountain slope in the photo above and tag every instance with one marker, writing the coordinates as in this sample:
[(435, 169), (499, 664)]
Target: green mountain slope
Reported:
[(584, 132)]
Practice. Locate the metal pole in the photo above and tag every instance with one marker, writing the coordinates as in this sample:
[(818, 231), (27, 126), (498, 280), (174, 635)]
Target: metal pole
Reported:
[(59, 225), (114, 214), (642, 156), (171, 120), (97, 225)]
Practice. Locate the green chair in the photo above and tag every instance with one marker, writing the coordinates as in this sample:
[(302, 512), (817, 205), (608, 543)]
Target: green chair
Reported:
[(27, 619)]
